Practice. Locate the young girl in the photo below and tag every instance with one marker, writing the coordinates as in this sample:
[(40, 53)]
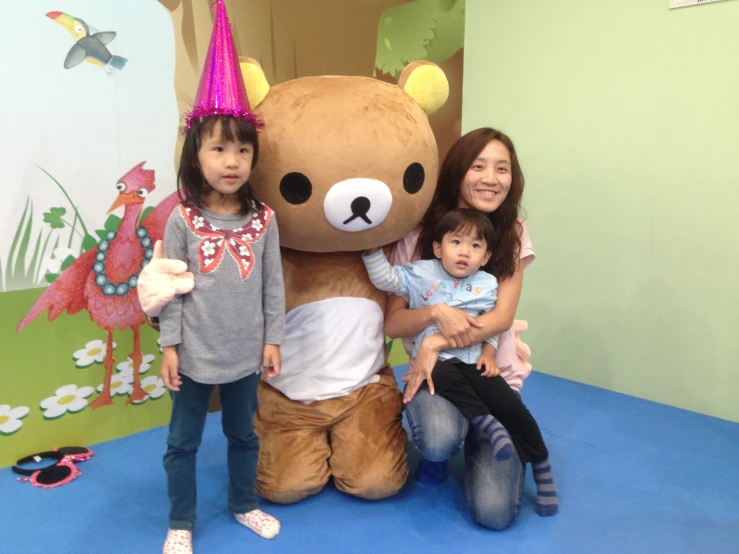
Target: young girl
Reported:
[(462, 244), (228, 329)]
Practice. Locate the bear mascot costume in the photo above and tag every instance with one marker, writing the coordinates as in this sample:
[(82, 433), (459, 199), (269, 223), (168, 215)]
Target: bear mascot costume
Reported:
[(347, 164)]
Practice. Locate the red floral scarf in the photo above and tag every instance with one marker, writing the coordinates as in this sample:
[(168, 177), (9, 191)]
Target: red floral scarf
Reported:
[(216, 241)]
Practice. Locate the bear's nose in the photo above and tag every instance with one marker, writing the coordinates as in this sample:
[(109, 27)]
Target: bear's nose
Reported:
[(360, 206), (357, 204)]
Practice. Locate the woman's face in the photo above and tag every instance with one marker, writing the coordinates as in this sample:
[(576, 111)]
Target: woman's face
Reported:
[(487, 182)]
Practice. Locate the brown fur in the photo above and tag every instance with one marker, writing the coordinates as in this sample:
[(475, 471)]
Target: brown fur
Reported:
[(336, 128), (310, 277), (358, 439), (332, 129)]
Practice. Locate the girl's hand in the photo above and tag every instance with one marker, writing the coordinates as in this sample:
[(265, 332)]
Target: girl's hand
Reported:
[(170, 364), (487, 360), (423, 366), (454, 324), (272, 360)]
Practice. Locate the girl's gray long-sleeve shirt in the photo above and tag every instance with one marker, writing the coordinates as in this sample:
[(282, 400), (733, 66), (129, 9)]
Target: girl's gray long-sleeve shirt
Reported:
[(238, 303)]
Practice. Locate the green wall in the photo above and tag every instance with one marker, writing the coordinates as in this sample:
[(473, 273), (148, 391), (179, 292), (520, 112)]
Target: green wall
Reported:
[(626, 117)]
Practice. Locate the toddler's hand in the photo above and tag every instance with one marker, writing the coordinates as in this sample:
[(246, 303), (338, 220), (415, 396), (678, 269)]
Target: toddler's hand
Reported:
[(487, 360)]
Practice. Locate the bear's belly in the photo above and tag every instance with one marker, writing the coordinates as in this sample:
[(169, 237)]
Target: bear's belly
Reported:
[(332, 347)]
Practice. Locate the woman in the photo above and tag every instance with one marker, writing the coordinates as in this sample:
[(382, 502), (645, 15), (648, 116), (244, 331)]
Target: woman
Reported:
[(480, 171)]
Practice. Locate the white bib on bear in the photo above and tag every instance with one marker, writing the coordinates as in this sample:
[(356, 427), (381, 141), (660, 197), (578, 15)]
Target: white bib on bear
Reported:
[(332, 347)]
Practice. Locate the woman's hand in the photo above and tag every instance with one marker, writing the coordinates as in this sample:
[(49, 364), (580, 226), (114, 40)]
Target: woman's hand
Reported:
[(455, 325), (423, 366)]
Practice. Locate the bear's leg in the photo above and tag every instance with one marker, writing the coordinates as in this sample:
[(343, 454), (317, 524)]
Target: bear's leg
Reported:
[(293, 448), (369, 457)]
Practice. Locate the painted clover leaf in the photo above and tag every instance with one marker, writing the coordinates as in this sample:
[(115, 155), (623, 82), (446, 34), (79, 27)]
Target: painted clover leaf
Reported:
[(54, 217)]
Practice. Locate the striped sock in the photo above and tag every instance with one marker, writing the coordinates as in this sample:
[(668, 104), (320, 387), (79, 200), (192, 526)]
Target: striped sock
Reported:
[(546, 498), (496, 434)]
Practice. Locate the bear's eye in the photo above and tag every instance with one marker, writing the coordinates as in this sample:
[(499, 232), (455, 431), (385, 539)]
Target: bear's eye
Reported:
[(296, 188), (413, 178)]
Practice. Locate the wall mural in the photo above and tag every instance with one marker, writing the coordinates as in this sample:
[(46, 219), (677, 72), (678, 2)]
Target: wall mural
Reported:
[(81, 213), (84, 209)]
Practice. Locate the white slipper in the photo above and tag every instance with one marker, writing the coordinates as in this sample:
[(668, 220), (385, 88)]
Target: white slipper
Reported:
[(179, 541), (262, 524)]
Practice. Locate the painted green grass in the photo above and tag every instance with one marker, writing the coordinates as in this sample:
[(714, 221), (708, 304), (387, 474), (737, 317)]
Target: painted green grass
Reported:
[(20, 272), (56, 230)]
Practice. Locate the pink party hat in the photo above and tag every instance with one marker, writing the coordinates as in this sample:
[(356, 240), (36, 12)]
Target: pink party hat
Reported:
[(221, 90)]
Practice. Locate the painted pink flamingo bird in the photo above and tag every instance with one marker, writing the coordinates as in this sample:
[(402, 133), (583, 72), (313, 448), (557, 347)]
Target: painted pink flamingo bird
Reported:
[(103, 279)]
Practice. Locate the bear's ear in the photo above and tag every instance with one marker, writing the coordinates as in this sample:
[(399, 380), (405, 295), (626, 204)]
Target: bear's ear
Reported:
[(426, 83), (255, 81)]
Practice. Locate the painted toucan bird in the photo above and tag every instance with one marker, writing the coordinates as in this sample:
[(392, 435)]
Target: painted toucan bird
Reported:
[(90, 44)]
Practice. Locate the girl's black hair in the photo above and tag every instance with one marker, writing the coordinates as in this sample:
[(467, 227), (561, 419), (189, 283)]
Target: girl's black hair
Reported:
[(191, 184)]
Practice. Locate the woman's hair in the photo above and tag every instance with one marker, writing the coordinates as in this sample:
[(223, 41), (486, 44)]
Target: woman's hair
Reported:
[(466, 221), (192, 186), (506, 245)]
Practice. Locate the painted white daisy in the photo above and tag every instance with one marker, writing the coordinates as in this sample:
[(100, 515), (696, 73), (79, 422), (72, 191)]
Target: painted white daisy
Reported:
[(198, 222), (154, 388), (120, 383), (209, 248), (159, 344), (247, 236), (10, 418), (257, 225), (69, 398), (93, 352), (244, 251), (127, 366)]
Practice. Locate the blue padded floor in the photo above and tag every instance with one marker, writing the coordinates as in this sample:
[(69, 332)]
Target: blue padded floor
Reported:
[(632, 476)]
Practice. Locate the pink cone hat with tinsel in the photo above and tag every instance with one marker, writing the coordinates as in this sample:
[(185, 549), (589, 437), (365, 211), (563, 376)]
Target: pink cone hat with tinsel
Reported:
[(221, 90)]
